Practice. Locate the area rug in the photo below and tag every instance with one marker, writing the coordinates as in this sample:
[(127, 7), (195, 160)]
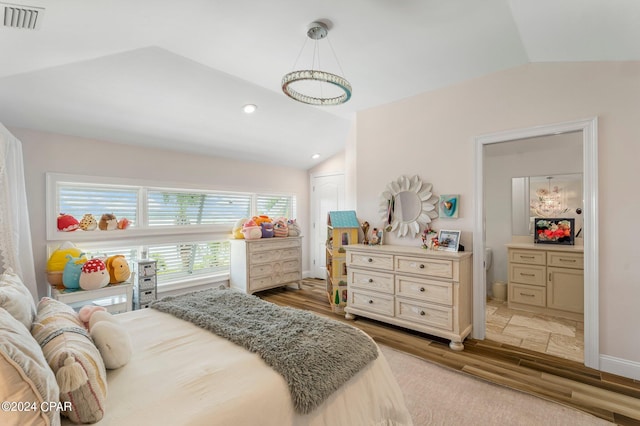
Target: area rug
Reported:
[(436, 395)]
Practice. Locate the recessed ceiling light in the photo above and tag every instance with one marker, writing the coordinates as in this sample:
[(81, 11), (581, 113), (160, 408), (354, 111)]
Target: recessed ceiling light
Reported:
[(315, 156), (249, 108)]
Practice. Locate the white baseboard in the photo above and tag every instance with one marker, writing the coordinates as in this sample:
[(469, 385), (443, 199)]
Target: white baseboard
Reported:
[(620, 367)]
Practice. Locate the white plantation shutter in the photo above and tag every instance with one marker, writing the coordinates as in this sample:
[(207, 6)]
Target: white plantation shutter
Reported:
[(176, 261), (192, 208), (78, 200), (275, 206)]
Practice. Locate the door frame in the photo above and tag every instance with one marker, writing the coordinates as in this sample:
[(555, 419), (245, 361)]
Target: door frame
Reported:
[(589, 128), (312, 210)]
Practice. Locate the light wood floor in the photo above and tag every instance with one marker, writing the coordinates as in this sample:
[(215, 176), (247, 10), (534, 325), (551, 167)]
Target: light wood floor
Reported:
[(613, 398)]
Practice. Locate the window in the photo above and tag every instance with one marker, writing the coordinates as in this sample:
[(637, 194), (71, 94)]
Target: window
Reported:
[(167, 224)]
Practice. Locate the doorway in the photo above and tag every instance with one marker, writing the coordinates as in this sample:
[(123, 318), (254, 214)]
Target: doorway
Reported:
[(588, 129), (327, 194)]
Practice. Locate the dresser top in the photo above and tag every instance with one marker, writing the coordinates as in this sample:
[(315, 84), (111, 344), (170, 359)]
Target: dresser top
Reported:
[(407, 250), (547, 247)]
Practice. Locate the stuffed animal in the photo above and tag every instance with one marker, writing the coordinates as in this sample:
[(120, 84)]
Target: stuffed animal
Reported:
[(118, 269), (72, 271), (94, 275), (109, 336), (67, 223), (267, 229), (294, 228), (108, 222), (88, 222), (280, 228), (58, 260), (123, 223), (237, 229), (251, 230), (259, 220)]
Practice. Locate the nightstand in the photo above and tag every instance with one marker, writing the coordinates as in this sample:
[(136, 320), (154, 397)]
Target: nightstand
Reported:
[(115, 297)]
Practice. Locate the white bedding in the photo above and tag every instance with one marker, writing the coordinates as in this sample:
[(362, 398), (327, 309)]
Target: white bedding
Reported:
[(180, 374)]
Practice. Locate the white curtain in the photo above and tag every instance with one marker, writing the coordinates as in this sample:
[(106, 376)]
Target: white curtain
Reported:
[(15, 233)]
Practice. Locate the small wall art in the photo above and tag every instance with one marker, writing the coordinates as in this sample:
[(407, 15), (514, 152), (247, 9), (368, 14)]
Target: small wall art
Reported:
[(449, 206)]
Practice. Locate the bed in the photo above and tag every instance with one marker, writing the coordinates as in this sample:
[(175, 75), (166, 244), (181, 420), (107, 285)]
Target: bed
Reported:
[(180, 373)]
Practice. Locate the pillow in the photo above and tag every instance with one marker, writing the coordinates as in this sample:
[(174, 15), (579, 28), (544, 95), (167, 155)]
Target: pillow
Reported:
[(25, 375), (74, 359), (16, 298)]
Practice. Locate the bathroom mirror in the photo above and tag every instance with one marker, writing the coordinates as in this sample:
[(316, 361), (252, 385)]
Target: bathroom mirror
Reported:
[(555, 196), (407, 205)]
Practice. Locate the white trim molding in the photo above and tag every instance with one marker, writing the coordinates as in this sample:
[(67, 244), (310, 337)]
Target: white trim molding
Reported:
[(589, 129), (620, 367)]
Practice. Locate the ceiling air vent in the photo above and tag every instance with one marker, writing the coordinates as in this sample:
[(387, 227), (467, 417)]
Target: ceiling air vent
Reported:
[(25, 17)]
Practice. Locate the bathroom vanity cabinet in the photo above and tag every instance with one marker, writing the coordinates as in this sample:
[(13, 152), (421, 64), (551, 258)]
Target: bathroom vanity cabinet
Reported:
[(546, 279)]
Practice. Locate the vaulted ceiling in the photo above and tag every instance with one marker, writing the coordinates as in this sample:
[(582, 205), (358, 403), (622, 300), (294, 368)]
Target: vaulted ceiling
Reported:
[(175, 74)]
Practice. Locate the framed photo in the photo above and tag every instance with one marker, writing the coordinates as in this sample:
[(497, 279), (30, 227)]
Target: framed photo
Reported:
[(448, 240), (376, 237), (449, 206), (554, 230)]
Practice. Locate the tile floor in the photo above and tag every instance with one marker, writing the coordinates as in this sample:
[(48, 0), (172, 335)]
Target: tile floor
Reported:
[(559, 337)]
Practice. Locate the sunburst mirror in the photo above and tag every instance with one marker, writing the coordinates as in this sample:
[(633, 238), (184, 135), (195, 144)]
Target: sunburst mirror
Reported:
[(407, 205)]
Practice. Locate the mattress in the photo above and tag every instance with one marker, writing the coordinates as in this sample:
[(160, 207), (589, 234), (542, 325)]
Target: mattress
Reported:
[(180, 374)]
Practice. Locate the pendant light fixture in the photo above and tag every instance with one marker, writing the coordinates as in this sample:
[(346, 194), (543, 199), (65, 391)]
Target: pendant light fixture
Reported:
[(314, 86)]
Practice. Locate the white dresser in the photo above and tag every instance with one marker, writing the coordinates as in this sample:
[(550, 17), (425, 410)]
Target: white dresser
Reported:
[(423, 290), (265, 263), (547, 279)]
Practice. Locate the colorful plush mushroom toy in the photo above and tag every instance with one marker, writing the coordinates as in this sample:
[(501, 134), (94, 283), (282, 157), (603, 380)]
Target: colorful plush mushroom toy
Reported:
[(94, 275)]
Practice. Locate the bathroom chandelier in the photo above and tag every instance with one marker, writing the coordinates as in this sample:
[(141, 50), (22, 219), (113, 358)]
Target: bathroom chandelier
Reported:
[(313, 86), (548, 201)]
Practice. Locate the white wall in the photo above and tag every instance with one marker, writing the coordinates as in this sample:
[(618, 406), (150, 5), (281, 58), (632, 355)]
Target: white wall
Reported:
[(432, 135), (46, 152)]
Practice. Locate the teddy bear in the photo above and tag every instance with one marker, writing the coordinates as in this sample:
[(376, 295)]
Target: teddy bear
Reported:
[(88, 222), (118, 268), (109, 336), (94, 275), (108, 222)]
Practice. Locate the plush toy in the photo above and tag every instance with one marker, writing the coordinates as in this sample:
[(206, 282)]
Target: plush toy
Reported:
[(123, 223), (294, 228), (109, 336), (94, 275), (259, 220), (237, 229), (67, 223), (88, 222), (251, 230), (280, 228), (72, 270), (108, 222), (58, 260), (118, 269), (267, 229)]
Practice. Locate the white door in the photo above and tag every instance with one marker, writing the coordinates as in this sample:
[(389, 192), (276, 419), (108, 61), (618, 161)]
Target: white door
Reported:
[(327, 194)]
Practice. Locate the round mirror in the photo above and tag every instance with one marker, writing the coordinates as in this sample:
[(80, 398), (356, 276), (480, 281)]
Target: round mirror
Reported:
[(408, 205)]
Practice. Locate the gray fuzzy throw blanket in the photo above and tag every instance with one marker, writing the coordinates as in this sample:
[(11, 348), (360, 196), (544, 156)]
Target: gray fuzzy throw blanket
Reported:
[(315, 355)]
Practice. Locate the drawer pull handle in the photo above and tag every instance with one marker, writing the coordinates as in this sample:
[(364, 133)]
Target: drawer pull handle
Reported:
[(370, 260), (527, 275), (370, 280), (567, 260), (422, 266), (527, 257), (527, 295), (423, 313), (549, 276), (370, 302), (422, 289)]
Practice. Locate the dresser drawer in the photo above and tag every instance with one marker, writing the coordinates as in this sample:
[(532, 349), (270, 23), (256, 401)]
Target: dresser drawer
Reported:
[(272, 244), (427, 290), (565, 260), (430, 267), (527, 294), (527, 274), (290, 265), (147, 296), (146, 269), (531, 257), (426, 314), (370, 260), (274, 255), (147, 283), (371, 280), (377, 303), (261, 282), (261, 269)]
